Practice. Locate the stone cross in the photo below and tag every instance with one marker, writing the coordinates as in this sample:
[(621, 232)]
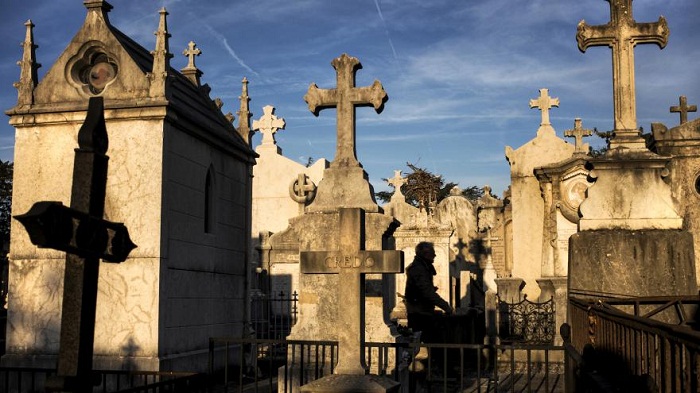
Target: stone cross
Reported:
[(544, 102), (621, 34), (683, 108), (578, 132), (397, 181), (345, 97), (302, 189), (191, 52), (351, 261), (268, 124), (81, 231)]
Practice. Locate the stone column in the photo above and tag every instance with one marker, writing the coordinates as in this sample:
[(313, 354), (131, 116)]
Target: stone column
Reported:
[(555, 287), (509, 289)]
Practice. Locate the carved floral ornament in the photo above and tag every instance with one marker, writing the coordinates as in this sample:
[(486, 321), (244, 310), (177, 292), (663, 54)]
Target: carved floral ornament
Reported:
[(92, 69)]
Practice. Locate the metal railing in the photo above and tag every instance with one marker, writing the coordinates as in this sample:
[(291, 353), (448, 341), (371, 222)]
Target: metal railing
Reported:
[(273, 315), (527, 321), (25, 380), (631, 350), (436, 367)]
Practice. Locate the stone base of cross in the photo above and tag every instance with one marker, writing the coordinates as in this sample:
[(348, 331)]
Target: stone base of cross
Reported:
[(352, 384), (351, 261)]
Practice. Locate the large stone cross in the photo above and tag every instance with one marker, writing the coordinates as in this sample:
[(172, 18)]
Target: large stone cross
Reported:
[(544, 102), (683, 108), (268, 124), (345, 97), (86, 237), (621, 34), (578, 132), (351, 262), (397, 181)]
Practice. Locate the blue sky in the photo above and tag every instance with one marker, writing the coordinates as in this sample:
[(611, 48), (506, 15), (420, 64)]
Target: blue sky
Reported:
[(459, 74)]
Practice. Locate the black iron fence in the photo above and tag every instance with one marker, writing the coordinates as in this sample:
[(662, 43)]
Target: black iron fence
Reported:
[(273, 315), (527, 322), (32, 380), (623, 351), (417, 366)]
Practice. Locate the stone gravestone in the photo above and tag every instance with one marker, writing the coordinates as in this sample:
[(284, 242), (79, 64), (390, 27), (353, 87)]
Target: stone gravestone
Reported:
[(526, 197), (344, 186), (351, 262), (631, 240), (86, 237)]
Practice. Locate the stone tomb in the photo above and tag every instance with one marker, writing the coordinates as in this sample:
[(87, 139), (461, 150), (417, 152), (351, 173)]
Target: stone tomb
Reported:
[(93, 238), (179, 178), (282, 189), (682, 144), (528, 210)]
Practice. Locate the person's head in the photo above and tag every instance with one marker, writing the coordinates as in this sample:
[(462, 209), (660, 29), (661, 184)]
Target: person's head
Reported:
[(426, 250)]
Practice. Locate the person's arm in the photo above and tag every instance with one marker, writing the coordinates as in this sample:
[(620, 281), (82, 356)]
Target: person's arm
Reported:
[(425, 287)]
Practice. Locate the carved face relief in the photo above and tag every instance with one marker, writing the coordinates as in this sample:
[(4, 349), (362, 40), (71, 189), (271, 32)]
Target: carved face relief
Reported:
[(92, 69), (99, 75), (576, 192)]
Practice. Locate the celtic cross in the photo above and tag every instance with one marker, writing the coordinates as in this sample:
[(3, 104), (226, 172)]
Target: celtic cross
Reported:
[(268, 124)]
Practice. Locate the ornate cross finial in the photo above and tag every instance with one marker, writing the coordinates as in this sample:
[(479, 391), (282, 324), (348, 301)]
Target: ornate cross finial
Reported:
[(268, 124), (345, 97), (622, 34), (397, 181), (161, 57), (191, 52), (28, 78), (191, 71), (244, 112), (683, 108), (544, 102), (578, 132)]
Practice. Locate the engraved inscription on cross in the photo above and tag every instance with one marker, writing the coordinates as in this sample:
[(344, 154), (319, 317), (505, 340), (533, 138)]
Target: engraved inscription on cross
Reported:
[(621, 34), (578, 132), (544, 102), (351, 262), (86, 237), (345, 97), (683, 108), (268, 124)]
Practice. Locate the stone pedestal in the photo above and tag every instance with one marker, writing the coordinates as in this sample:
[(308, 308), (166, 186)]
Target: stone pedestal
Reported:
[(628, 263), (623, 263), (352, 384), (555, 287), (509, 289)]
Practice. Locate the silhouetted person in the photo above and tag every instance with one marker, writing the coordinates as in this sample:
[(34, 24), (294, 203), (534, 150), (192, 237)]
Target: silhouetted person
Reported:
[(421, 295)]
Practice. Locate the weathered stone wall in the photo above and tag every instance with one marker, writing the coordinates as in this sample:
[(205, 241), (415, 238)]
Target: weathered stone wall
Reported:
[(43, 170), (628, 263)]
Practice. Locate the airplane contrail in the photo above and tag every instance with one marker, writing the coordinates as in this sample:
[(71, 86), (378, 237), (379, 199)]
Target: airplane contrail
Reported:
[(230, 50), (386, 29)]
